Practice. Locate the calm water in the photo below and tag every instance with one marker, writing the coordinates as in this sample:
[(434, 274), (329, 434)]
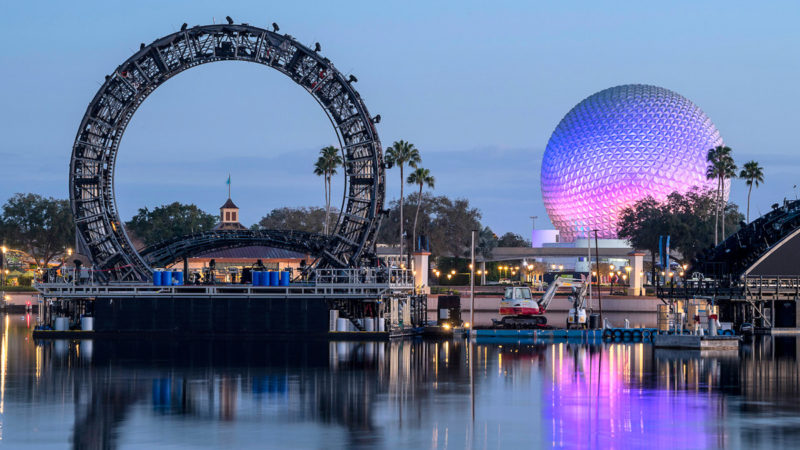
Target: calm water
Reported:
[(236, 395)]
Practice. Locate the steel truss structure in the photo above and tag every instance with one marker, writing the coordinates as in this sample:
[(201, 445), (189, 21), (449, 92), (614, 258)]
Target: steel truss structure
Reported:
[(99, 227), (733, 256)]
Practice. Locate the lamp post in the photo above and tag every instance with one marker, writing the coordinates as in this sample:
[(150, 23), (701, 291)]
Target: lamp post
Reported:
[(3, 251)]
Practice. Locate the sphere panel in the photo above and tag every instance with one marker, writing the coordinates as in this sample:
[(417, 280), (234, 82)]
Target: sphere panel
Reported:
[(619, 146)]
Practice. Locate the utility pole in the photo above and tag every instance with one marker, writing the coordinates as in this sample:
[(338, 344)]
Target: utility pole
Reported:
[(472, 288), (597, 257)]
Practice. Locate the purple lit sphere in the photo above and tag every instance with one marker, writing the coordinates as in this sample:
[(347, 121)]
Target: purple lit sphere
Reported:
[(617, 147)]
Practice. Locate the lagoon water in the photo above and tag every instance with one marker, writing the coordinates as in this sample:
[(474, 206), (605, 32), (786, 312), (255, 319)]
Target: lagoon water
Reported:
[(409, 394)]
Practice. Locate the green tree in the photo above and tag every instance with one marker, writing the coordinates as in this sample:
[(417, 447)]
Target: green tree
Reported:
[(447, 223), (169, 221), (400, 154), (421, 177), (753, 174), (40, 226), (487, 241), (510, 239), (721, 167), (329, 160), (310, 219), (642, 224), (686, 218)]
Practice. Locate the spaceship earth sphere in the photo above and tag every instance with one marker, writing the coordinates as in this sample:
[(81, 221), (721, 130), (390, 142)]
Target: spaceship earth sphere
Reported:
[(619, 146)]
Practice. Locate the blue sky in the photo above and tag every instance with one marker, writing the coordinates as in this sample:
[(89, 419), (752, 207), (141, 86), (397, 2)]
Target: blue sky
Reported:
[(477, 86)]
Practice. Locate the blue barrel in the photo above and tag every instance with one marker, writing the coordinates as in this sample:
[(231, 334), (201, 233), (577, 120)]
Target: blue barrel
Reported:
[(256, 278), (166, 278), (263, 279), (157, 278), (274, 278), (284, 278), (177, 278)]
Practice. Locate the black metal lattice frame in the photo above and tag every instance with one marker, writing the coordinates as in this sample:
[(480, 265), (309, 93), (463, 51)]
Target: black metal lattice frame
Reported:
[(99, 227)]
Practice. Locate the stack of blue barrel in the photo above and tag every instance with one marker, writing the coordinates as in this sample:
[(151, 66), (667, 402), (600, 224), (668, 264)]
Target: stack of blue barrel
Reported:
[(167, 278), (271, 278)]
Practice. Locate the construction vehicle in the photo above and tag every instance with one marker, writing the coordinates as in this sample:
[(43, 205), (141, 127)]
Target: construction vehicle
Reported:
[(519, 310)]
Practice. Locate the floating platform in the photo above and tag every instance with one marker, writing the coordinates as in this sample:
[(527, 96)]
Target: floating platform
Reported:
[(114, 335), (777, 331), (692, 342), (538, 334)]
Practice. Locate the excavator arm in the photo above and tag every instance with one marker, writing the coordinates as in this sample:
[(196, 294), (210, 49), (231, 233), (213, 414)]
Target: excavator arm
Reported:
[(548, 296)]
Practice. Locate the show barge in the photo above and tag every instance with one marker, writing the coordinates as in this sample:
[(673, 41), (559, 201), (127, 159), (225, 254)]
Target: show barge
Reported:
[(366, 303)]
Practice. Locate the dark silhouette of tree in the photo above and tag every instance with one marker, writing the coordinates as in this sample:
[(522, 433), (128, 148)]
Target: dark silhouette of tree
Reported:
[(310, 219), (329, 160), (421, 177), (721, 167), (169, 221), (753, 174), (510, 239), (40, 226), (400, 154)]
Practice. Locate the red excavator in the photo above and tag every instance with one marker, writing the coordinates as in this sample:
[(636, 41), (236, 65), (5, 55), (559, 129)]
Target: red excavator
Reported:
[(519, 309)]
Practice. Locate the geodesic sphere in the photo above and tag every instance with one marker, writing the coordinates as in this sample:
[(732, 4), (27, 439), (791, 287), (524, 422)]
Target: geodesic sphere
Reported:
[(617, 147)]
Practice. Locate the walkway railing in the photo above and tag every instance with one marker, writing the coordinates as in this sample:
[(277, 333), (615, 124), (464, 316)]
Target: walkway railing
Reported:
[(328, 283)]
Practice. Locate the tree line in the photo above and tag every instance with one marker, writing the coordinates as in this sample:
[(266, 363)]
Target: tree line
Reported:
[(694, 220)]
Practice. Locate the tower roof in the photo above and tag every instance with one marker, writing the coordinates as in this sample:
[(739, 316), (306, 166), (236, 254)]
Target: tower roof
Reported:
[(229, 204)]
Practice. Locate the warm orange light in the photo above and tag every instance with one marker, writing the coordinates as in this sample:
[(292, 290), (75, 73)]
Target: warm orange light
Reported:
[(449, 276), (453, 271)]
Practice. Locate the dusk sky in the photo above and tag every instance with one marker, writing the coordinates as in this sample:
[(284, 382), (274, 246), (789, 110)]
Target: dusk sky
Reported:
[(478, 87)]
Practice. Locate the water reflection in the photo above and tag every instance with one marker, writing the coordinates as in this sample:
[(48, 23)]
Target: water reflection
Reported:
[(255, 394)]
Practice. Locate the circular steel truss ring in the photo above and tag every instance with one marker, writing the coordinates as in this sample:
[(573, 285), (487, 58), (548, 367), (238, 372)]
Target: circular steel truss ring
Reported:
[(100, 230)]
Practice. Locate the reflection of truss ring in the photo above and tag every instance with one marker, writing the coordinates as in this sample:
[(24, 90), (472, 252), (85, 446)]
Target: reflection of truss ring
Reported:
[(94, 154)]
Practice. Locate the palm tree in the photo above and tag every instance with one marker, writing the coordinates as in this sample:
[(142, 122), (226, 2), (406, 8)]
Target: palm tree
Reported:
[(753, 174), (721, 167), (400, 154), (327, 163), (420, 177)]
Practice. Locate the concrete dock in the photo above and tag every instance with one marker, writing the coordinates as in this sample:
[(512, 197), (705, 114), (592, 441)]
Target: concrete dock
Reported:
[(696, 342)]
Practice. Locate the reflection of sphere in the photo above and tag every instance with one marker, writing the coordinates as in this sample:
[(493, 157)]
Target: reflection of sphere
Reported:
[(619, 146)]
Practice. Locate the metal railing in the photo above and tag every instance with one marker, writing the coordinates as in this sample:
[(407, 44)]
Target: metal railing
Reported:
[(400, 278), (329, 283)]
